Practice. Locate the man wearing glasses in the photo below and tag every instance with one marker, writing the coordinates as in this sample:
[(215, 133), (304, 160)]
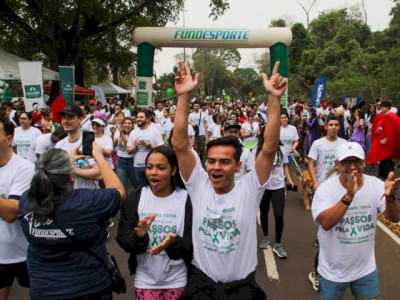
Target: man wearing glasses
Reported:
[(346, 208)]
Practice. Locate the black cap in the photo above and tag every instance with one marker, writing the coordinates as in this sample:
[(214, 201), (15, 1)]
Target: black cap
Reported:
[(232, 124), (71, 110)]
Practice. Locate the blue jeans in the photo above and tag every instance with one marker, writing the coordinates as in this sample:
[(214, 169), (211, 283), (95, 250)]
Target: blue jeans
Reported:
[(140, 176), (125, 172)]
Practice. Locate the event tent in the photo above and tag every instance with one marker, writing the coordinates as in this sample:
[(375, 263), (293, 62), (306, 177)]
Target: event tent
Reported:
[(9, 69), (79, 90), (110, 88)]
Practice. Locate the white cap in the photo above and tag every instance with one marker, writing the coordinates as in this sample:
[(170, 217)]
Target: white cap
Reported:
[(349, 149), (99, 121)]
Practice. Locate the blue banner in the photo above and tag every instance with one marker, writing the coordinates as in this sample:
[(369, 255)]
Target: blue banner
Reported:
[(318, 91), (67, 83)]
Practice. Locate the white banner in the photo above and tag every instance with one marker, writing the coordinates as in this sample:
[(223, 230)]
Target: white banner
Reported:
[(32, 83), (99, 94)]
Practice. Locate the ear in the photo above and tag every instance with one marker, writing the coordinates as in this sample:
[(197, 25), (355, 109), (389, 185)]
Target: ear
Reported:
[(173, 172), (238, 166)]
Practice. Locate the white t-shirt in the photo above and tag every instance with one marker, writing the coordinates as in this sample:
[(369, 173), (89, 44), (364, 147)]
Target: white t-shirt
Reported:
[(23, 140), (15, 178), (194, 120), (288, 135), (167, 128), (247, 163), (157, 126), (121, 149), (39, 146), (277, 178), (347, 250), (151, 136), (106, 142), (224, 226), (86, 124), (249, 128), (324, 153), (216, 133), (324, 113), (159, 271), (127, 113), (159, 114), (87, 164)]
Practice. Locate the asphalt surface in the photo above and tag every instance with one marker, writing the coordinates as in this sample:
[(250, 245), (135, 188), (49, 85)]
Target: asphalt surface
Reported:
[(290, 278)]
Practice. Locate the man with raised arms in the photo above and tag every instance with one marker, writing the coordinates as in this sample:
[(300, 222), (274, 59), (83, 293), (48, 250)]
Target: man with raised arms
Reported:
[(224, 211)]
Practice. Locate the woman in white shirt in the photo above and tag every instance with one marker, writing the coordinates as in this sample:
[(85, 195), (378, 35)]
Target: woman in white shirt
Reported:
[(288, 135), (24, 135), (155, 228)]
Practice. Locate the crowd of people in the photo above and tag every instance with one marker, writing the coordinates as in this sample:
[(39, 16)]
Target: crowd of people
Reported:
[(188, 177)]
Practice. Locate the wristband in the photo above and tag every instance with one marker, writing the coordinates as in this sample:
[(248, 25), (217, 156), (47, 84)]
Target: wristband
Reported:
[(346, 200)]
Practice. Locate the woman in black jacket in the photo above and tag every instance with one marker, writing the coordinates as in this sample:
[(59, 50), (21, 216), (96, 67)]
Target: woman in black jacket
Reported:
[(155, 228)]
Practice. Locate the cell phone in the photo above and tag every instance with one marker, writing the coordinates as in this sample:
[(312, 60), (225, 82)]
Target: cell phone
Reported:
[(87, 142), (290, 188)]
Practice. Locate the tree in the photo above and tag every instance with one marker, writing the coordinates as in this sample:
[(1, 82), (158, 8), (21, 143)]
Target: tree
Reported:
[(74, 32), (307, 10)]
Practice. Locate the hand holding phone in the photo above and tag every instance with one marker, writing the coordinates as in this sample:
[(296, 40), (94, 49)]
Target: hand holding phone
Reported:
[(87, 143)]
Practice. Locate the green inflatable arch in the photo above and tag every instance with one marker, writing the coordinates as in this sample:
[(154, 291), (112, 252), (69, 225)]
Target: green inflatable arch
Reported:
[(149, 38)]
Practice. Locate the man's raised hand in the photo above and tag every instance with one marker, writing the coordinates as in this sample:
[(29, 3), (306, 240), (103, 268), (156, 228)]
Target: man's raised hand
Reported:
[(276, 85), (184, 83)]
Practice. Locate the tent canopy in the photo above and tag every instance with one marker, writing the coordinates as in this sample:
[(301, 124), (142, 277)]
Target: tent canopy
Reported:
[(110, 88), (79, 90), (9, 69)]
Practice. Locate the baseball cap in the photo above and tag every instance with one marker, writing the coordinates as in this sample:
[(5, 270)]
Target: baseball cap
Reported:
[(349, 149), (232, 124), (71, 110), (98, 121)]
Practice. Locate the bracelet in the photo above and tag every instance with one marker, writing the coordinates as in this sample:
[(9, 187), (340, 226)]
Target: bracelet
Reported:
[(346, 200)]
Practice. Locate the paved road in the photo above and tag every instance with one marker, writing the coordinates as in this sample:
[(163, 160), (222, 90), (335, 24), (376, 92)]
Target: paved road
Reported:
[(289, 281)]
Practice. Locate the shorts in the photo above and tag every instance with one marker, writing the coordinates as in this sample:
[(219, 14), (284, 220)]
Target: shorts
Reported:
[(200, 141), (156, 294), (8, 272), (365, 287)]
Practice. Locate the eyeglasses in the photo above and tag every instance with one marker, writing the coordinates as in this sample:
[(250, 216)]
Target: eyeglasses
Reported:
[(232, 131), (348, 162), (24, 118), (96, 124)]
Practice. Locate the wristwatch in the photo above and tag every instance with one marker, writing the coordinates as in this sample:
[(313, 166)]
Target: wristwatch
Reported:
[(346, 200)]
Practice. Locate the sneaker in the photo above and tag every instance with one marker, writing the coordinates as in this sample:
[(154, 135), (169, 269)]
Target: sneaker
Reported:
[(316, 243), (314, 281), (264, 242), (280, 251)]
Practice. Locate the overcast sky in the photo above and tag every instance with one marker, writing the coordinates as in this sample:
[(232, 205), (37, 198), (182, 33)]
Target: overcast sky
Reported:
[(259, 14)]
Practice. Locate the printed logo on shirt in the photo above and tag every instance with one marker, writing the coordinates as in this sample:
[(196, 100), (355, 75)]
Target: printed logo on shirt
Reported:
[(220, 234), (329, 158), (357, 226), (39, 230)]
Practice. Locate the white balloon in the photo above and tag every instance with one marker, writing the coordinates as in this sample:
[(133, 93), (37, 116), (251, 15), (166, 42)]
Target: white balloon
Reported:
[(1, 83), (1, 91), (6, 86)]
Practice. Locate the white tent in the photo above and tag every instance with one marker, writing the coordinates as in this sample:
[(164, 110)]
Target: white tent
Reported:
[(110, 88), (9, 69)]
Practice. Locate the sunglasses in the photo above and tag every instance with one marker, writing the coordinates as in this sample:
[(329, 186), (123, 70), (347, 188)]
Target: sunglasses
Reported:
[(348, 162)]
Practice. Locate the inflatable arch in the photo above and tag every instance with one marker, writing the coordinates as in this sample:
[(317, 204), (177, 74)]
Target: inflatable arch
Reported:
[(149, 38)]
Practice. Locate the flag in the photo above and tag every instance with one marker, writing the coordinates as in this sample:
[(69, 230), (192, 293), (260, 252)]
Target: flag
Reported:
[(67, 83), (318, 91), (32, 83)]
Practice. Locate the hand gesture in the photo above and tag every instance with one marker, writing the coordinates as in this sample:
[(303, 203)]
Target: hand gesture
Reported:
[(184, 83), (276, 85), (391, 184), (144, 225), (352, 184), (75, 154), (169, 240)]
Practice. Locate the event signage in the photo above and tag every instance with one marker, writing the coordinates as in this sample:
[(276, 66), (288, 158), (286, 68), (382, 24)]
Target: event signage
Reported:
[(32, 83), (67, 83), (220, 35), (318, 91)]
